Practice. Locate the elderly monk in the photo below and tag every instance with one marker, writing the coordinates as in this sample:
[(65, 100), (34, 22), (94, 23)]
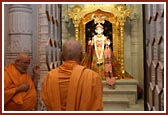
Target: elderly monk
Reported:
[(20, 93), (72, 87)]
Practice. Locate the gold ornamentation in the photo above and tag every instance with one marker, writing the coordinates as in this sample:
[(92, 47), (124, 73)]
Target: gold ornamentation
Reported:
[(100, 18), (123, 12), (114, 13)]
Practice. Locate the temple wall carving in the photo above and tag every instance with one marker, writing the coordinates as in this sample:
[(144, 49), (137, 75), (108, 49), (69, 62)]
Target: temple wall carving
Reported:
[(19, 36)]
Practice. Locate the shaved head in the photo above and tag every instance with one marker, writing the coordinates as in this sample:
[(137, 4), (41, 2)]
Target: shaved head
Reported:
[(22, 62), (22, 56), (72, 50)]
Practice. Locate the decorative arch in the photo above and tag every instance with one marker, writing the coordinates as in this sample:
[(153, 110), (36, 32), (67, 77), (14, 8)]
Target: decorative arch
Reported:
[(114, 13), (108, 17)]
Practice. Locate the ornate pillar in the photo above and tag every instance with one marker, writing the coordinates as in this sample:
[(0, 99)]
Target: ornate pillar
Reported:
[(122, 46), (134, 46), (49, 29), (76, 18), (123, 12), (42, 39), (116, 37), (20, 31)]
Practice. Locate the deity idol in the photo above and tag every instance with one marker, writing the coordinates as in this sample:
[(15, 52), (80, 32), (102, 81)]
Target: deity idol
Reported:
[(100, 58)]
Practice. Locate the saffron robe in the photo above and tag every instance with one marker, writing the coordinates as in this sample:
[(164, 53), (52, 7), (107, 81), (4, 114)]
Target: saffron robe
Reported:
[(23, 101), (72, 87)]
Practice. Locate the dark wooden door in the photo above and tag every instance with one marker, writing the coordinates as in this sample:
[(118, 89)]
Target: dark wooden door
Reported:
[(154, 39)]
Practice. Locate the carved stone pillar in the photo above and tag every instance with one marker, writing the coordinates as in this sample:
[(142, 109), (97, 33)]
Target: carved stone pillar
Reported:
[(49, 38), (137, 45), (43, 29), (43, 36), (20, 31)]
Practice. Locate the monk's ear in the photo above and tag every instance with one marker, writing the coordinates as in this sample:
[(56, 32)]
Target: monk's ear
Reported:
[(17, 61), (81, 56)]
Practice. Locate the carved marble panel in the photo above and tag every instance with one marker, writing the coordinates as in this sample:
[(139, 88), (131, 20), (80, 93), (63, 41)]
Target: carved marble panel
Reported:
[(21, 43)]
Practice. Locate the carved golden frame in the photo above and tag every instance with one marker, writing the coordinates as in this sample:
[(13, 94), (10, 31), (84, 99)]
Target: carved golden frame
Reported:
[(114, 13), (109, 17)]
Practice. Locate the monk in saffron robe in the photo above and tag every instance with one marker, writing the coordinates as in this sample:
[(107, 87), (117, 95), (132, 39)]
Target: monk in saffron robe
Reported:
[(19, 90), (72, 87)]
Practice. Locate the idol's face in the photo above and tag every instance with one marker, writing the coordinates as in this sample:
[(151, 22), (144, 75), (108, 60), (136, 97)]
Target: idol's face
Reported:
[(99, 30)]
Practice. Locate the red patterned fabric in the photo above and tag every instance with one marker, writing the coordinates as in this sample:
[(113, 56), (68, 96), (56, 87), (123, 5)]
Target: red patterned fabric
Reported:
[(90, 61)]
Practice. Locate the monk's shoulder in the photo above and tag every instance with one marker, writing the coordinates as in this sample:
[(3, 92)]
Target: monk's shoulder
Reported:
[(86, 70), (53, 72), (9, 68), (91, 72)]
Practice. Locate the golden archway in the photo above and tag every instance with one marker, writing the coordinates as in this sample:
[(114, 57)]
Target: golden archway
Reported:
[(114, 13)]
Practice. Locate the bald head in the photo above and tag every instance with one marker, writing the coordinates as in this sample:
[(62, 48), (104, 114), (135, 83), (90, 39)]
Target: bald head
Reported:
[(22, 56), (22, 62), (72, 50)]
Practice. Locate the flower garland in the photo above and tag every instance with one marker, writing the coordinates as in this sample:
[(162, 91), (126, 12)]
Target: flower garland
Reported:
[(99, 56)]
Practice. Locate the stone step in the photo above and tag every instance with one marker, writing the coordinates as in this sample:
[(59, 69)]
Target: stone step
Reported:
[(123, 89), (111, 103), (124, 83), (130, 94)]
